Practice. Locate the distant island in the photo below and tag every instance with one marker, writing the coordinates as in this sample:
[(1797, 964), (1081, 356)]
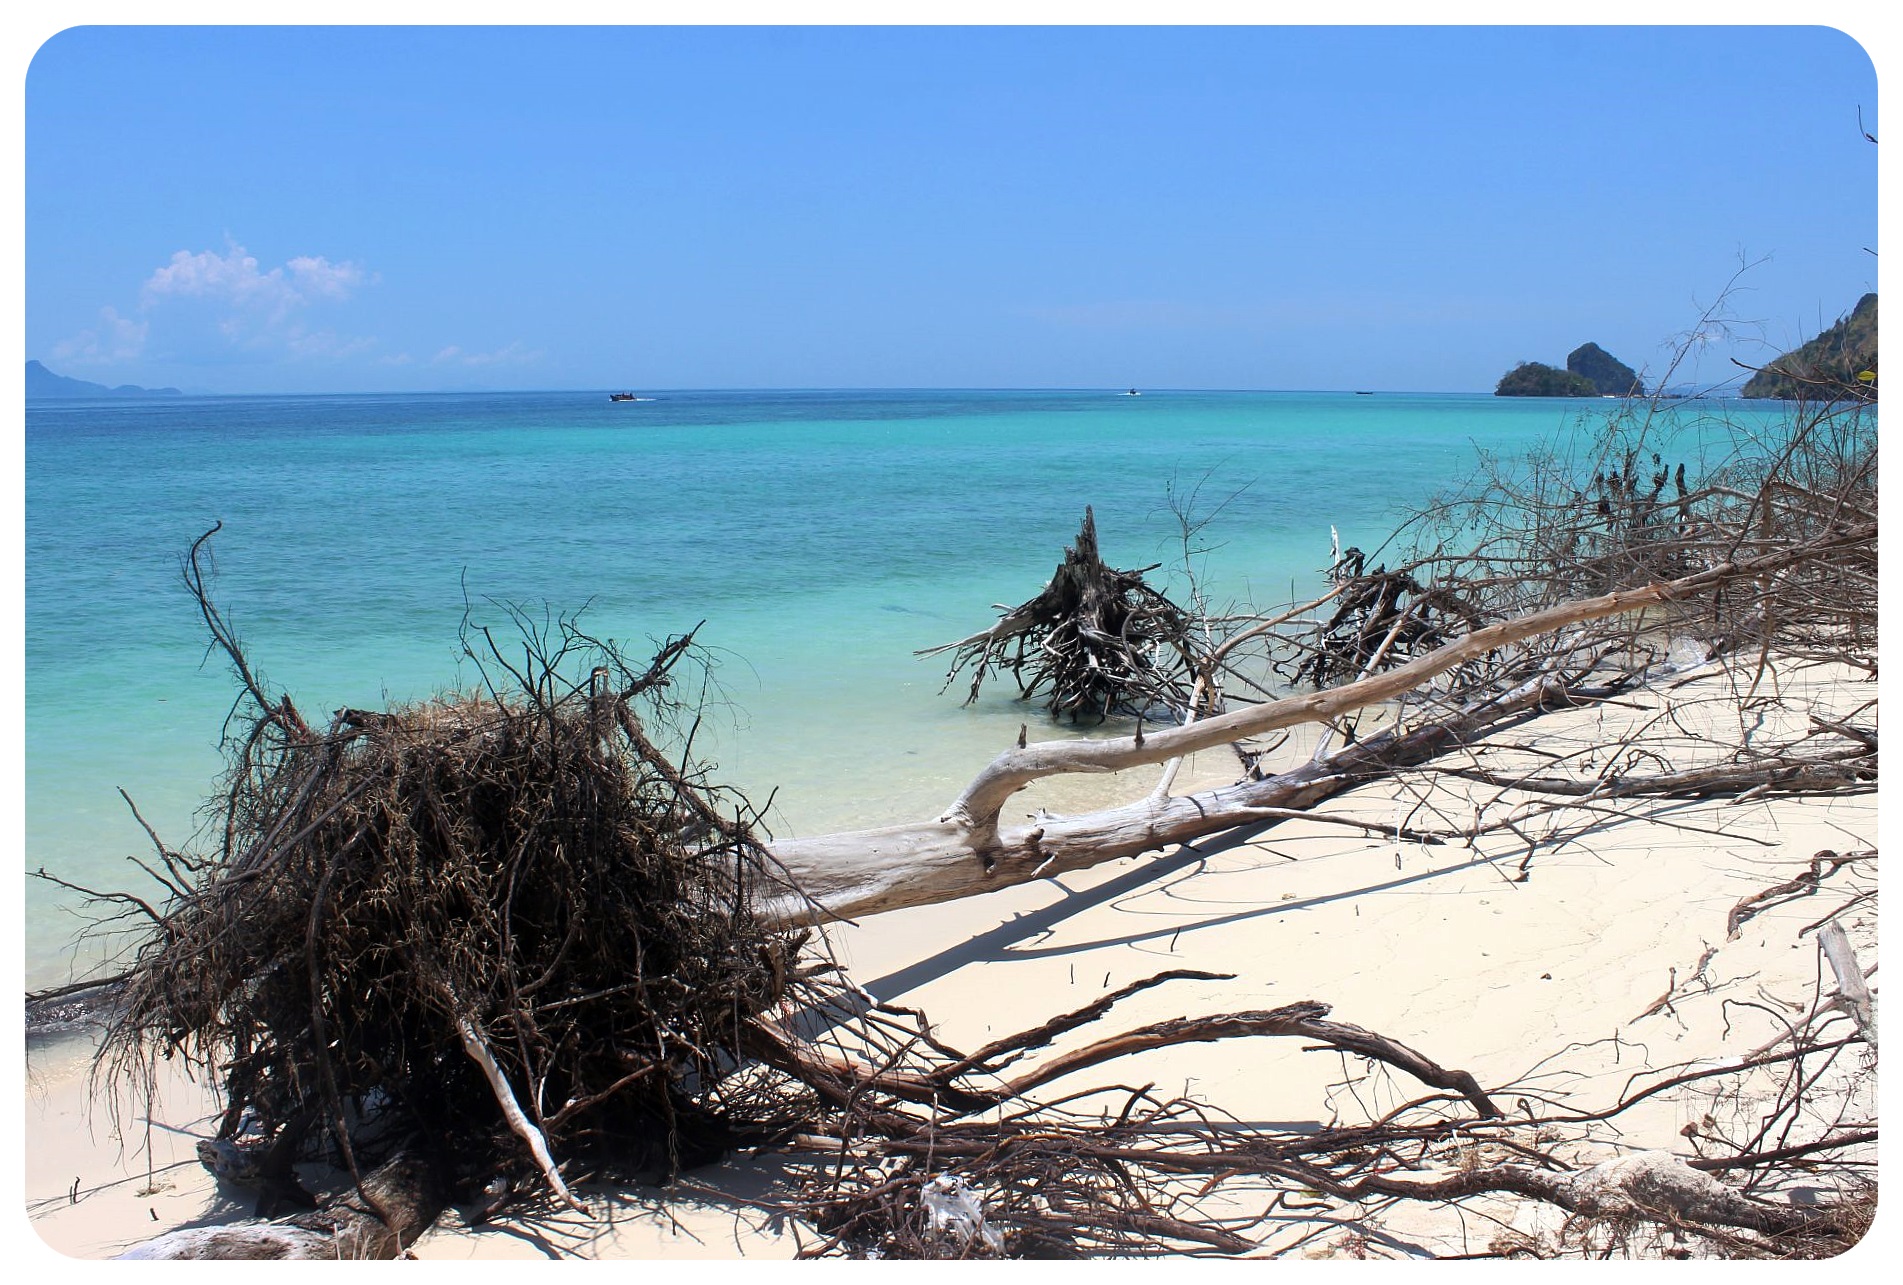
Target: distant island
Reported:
[(1590, 371), (41, 382), (1842, 361), (1537, 379)]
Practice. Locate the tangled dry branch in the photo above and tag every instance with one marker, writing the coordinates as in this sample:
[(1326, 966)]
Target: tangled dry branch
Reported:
[(1095, 642), (520, 929), (497, 924)]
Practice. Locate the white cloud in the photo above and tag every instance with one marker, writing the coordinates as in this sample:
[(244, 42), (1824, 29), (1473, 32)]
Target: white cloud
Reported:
[(233, 279), (115, 339), (212, 305), (318, 275), (223, 305)]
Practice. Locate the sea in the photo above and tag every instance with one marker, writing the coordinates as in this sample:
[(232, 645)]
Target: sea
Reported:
[(815, 539)]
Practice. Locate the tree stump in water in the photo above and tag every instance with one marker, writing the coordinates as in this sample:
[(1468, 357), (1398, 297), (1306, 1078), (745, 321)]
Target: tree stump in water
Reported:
[(1096, 641)]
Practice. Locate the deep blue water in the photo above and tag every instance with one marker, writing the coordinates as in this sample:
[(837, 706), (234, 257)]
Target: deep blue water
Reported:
[(822, 536)]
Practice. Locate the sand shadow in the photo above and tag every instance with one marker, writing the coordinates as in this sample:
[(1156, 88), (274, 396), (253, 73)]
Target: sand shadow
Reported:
[(995, 946)]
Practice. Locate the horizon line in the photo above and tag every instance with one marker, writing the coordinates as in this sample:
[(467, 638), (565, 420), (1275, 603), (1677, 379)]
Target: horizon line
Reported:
[(1113, 390)]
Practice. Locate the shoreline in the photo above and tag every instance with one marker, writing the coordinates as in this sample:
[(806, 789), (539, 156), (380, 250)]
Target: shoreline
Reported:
[(816, 625), (1442, 948)]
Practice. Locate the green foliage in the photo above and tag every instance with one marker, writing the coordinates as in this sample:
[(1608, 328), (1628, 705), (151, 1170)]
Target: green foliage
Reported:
[(1829, 367), (1537, 379)]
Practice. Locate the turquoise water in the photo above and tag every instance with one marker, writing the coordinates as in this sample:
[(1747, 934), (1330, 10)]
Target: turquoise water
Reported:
[(822, 536)]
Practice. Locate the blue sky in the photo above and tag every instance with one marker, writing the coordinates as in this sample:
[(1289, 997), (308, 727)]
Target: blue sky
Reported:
[(354, 209)]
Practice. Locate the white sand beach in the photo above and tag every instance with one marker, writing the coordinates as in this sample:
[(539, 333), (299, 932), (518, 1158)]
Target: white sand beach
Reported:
[(1024, 640), (1481, 959)]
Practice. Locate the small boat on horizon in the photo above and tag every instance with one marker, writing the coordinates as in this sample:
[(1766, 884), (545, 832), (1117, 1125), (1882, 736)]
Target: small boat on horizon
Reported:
[(1133, 393), (622, 397)]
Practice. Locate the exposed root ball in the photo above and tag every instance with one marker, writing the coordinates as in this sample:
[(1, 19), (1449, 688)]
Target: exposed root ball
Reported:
[(523, 875), (1097, 641)]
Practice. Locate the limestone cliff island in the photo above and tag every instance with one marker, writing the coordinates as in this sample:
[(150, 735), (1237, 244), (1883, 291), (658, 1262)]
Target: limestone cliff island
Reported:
[(1590, 371)]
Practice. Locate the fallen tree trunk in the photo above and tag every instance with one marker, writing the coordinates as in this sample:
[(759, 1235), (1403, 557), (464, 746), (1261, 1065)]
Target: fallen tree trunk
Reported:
[(967, 851), (869, 871), (976, 810)]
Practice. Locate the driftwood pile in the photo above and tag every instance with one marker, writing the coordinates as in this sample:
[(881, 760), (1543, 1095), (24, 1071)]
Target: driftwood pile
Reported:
[(492, 943), (1096, 642), (1382, 619), (493, 929), (518, 935)]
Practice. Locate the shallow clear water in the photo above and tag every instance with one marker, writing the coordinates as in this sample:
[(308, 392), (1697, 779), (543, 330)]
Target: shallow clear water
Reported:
[(823, 537)]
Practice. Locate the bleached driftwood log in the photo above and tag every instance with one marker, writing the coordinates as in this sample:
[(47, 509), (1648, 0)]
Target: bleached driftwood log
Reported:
[(1853, 992), (968, 850), (869, 871)]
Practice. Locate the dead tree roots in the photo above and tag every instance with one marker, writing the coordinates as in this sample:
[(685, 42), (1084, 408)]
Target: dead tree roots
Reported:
[(518, 932), (500, 931), (1096, 642)]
